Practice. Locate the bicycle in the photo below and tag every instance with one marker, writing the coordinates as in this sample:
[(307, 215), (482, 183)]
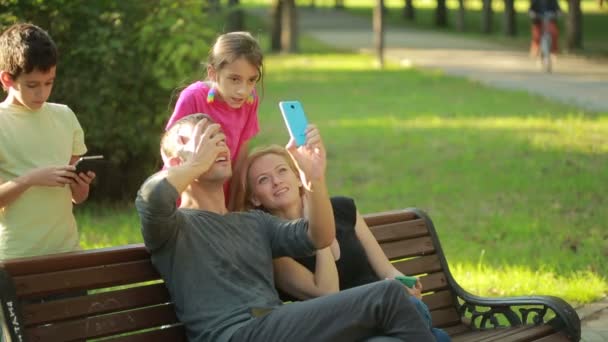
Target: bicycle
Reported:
[(546, 40)]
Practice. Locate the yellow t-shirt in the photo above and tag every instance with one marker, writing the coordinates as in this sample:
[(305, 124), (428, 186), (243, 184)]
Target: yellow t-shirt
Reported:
[(40, 221)]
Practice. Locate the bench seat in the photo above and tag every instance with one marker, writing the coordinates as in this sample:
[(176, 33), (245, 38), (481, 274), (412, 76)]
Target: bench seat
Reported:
[(115, 294)]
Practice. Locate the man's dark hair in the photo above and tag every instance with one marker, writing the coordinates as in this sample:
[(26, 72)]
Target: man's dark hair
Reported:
[(25, 48)]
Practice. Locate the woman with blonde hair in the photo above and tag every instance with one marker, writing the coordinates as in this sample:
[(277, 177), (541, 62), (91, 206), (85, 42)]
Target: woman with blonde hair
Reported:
[(272, 182)]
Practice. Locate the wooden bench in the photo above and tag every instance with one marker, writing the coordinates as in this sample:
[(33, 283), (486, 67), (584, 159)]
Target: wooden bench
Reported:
[(127, 301)]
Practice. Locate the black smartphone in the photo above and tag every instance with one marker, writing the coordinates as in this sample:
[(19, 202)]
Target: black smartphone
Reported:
[(88, 163)]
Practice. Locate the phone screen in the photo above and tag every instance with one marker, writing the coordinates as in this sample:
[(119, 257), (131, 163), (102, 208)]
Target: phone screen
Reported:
[(295, 120)]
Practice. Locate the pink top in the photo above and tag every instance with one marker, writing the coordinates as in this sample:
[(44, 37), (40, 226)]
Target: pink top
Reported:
[(239, 124)]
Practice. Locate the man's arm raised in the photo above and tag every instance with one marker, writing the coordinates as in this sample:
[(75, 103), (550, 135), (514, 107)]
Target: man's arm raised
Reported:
[(311, 159)]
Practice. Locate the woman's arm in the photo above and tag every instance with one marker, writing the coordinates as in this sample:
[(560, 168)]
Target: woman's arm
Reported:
[(376, 257), (296, 280)]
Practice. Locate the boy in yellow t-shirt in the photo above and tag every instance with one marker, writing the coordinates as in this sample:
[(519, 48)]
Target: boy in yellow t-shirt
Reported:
[(39, 143)]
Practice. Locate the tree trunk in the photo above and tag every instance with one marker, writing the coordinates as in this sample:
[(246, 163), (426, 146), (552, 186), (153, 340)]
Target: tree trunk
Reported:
[(510, 24), (460, 23), (235, 19), (441, 14), (339, 4), (378, 23), (408, 10), (289, 30), (486, 16), (575, 25), (276, 25), (211, 6)]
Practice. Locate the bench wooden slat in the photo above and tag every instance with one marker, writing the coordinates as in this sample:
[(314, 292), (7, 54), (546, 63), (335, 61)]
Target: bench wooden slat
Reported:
[(434, 282), (519, 333), (439, 300), (408, 248), (104, 325), (84, 279), (482, 335), (457, 329), (530, 333), (95, 304), (445, 317), (555, 337), (66, 261), (175, 333), (386, 217), (419, 265), (400, 230)]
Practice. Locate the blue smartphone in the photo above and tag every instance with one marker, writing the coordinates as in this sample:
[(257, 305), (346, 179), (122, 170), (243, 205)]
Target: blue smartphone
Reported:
[(295, 120)]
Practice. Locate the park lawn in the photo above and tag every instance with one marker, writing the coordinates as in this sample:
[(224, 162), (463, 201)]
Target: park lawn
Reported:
[(514, 183)]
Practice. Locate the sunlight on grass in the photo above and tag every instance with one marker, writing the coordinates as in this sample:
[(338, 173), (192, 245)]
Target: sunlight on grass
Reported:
[(513, 280), (334, 62), (573, 134)]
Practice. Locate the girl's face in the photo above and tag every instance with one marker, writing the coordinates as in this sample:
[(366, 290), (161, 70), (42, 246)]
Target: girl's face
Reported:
[(274, 185), (235, 81)]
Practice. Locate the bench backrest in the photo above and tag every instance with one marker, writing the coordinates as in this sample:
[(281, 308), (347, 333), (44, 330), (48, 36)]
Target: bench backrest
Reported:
[(410, 241), (127, 300)]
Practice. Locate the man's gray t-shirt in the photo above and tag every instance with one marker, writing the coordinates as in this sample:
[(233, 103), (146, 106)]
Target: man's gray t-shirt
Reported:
[(216, 267)]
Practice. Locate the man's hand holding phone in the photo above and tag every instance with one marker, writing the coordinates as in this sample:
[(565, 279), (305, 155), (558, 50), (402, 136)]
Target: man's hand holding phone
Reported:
[(305, 145)]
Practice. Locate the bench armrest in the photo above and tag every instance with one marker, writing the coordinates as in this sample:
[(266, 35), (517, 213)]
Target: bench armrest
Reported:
[(484, 312)]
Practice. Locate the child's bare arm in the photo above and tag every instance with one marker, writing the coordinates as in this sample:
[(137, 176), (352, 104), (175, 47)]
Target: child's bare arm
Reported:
[(44, 176)]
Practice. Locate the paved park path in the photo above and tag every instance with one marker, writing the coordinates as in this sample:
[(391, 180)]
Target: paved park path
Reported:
[(575, 80)]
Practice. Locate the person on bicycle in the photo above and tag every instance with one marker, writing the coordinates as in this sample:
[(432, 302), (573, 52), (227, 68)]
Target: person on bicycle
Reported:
[(538, 9)]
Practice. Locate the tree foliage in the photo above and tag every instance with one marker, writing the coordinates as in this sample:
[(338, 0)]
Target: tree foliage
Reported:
[(120, 64)]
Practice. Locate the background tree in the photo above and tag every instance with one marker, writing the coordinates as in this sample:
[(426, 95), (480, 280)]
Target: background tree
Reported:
[(276, 25), (408, 10), (235, 18), (574, 25), (441, 14), (289, 27), (460, 17), (378, 23), (486, 16), (509, 18), (118, 70)]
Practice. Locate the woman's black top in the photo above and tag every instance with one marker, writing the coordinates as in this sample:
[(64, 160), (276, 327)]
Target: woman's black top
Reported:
[(353, 266)]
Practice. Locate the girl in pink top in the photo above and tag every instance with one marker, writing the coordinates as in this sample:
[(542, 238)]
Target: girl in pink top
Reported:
[(234, 67)]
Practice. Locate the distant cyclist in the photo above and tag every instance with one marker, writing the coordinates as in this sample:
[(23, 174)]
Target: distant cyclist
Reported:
[(538, 9)]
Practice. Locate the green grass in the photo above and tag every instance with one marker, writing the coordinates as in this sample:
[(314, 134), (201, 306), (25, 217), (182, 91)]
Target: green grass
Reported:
[(515, 183)]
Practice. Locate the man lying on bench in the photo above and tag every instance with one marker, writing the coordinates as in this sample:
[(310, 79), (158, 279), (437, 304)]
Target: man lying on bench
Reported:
[(218, 265)]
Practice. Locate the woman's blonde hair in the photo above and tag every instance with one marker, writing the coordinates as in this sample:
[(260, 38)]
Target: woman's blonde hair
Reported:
[(244, 193)]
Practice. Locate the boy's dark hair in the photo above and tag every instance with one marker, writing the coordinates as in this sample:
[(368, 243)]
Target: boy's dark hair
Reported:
[(25, 47)]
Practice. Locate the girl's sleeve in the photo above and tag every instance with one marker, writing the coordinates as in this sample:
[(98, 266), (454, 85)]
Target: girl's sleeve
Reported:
[(252, 126), (185, 105)]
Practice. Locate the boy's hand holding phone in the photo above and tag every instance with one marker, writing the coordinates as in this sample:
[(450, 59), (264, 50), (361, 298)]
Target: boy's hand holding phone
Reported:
[(88, 163)]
